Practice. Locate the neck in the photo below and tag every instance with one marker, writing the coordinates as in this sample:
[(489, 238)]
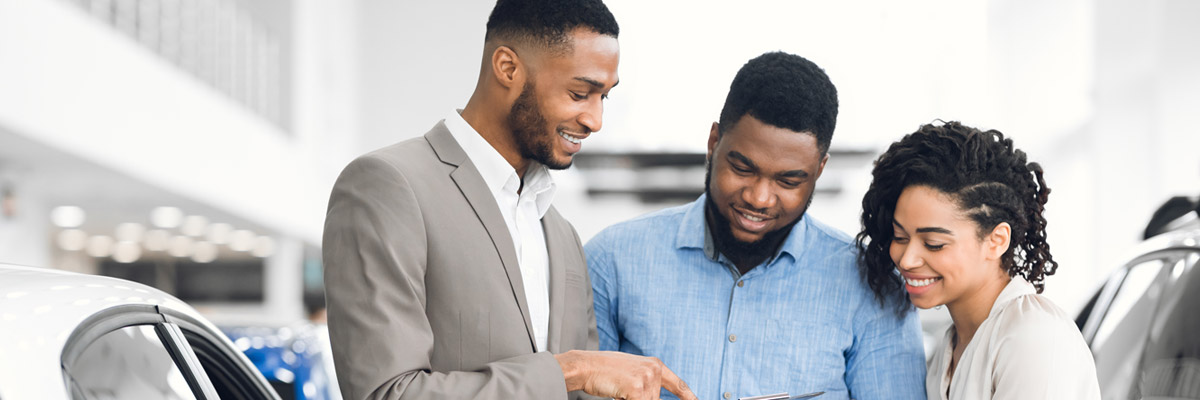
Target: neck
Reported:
[(492, 125), (969, 311)]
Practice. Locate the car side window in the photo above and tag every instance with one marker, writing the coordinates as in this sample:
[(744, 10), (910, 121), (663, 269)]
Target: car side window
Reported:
[(128, 363), (1124, 323), (1170, 365), (1130, 310)]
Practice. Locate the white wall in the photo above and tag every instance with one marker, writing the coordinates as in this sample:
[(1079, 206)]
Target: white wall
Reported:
[(78, 86)]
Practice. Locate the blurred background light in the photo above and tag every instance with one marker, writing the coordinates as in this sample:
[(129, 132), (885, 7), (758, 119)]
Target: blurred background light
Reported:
[(218, 233), (67, 216), (72, 240), (264, 247), (241, 240), (204, 252), (130, 232), (180, 246), (194, 225), (166, 217), (126, 252), (157, 240), (100, 246)]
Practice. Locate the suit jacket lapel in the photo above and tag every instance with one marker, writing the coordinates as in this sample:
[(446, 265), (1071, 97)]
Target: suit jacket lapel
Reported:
[(472, 186), (556, 245)]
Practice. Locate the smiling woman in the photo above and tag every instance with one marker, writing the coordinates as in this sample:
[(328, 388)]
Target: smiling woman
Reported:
[(957, 212)]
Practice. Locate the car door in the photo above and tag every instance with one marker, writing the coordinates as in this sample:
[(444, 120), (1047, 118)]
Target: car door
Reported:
[(139, 351), (1124, 314)]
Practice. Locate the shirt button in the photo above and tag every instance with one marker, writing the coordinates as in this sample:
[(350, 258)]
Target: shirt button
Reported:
[(732, 338), (741, 283), (728, 395)]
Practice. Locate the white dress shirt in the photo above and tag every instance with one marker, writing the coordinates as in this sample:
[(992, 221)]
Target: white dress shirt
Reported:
[(1027, 348), (522, 213)]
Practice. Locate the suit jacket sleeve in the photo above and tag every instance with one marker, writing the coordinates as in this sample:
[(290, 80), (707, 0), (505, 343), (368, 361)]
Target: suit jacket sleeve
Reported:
[(375, 260), (601, 270)]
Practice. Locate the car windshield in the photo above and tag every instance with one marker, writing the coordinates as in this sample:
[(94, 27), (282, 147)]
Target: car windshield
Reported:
[(1170, 365)]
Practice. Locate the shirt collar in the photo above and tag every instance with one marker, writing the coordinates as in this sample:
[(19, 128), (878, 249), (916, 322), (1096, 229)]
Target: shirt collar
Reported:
[(497, 173), (1016, 287), (694, 233)]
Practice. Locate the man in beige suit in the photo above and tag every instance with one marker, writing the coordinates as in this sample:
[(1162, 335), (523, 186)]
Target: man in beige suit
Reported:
[(448, 273)]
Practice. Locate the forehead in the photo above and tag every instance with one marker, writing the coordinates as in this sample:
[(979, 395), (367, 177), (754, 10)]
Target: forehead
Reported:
[(922, 206), (591, 55), (769, 145)]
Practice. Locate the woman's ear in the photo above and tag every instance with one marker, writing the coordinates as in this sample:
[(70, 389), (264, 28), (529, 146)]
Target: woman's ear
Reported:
[(996, 243)]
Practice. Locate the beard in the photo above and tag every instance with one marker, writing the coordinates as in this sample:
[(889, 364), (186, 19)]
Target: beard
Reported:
[(528, 126), (737, 250)]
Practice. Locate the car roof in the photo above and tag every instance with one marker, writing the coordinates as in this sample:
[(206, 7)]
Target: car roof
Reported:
[(41, 307), (1188, 238)]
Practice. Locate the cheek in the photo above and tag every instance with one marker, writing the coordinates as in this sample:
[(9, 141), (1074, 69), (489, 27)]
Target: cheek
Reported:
[(895, 250), (724, 183)]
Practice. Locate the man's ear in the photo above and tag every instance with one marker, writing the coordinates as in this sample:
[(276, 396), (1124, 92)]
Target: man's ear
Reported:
[(996, 243), (507, 67), (714, 136), (821, 167)]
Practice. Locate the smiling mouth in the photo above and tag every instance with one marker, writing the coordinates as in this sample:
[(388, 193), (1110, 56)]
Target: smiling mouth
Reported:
[(570, 138), (921, 282), (751, 217)]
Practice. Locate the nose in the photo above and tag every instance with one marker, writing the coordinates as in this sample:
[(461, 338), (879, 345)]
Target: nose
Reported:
[(593, 116), (759, 195), (910, 259)]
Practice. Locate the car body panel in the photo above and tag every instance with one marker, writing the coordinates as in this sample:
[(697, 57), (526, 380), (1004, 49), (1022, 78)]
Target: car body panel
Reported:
[(40, 308)]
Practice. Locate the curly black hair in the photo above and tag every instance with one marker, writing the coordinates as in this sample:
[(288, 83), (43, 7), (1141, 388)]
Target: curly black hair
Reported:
[(786, 91), (548, 22), (983, 173)]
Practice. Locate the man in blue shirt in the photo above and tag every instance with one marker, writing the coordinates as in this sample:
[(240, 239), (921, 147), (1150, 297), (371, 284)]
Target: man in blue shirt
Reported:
[(741, 292)]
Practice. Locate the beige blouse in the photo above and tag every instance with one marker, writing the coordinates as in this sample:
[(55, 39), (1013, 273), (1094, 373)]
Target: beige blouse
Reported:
[(1027, 348)]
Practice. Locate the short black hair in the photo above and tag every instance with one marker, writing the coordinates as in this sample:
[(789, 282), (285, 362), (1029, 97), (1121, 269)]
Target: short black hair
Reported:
[(548, 22), (989, 179), (786, 91)]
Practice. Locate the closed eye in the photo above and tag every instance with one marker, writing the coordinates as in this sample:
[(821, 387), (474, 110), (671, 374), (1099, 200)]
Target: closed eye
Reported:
[(933, 247), (577, 96)]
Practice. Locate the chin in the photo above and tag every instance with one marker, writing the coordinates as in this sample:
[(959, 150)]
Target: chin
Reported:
[(746, 238), (924, 303)]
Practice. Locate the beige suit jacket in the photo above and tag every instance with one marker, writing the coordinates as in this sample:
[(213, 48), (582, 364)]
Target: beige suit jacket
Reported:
[(424, 294)]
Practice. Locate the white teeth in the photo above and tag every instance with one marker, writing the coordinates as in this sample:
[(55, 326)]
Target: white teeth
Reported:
[(921, 282), (569, 138), (752, 218)]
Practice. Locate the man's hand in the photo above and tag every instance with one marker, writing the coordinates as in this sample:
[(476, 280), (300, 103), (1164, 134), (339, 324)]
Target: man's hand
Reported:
[(620, 375)]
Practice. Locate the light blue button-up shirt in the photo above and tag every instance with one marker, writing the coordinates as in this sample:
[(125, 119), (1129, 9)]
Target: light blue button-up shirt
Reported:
[(802, 322)]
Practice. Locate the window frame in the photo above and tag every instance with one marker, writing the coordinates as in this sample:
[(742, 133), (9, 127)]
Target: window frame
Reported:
[(174, 330)]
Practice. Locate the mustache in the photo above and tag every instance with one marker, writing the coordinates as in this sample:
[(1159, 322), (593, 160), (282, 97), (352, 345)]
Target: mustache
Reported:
[(759, 211)]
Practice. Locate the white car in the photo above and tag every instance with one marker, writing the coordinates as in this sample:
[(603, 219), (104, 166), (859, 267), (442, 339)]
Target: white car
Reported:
[(65, 335)]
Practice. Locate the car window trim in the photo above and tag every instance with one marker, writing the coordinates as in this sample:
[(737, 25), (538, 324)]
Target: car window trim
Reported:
[(126, 315), (239, 362), (172, 337), (1109, 291)]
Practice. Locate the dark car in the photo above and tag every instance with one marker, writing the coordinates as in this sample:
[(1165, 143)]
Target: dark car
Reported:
[(1143, 325)]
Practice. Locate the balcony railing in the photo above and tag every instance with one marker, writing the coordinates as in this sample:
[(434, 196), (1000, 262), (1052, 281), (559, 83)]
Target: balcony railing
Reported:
[(218, 42)]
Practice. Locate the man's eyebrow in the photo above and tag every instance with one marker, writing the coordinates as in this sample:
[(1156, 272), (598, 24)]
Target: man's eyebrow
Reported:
[(594, 83), (742, 157), (796, 173)]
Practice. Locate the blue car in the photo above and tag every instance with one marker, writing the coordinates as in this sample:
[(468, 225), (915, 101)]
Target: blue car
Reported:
[(294, 359)]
